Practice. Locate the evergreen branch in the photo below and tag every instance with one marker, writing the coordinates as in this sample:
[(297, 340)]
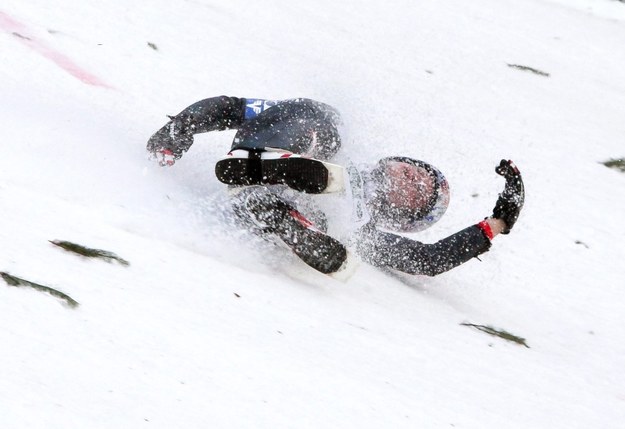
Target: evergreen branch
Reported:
[(498, 333), (16, 281), (617, 164), (529, 69), (88, 252)]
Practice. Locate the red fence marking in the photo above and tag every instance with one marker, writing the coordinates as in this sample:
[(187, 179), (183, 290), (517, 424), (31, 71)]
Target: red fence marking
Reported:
[(20, 31)]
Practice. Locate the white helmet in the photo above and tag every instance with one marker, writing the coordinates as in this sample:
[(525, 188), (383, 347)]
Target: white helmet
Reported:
[(405, 194)]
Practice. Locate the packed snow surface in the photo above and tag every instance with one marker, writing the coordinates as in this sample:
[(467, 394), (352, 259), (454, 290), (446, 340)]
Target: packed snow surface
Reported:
[(209, 327)]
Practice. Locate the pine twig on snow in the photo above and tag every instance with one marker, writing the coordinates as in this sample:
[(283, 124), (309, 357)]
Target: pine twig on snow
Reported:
[(498, 333), (16, 281), (88, 252), (617, 164), (529, 69)]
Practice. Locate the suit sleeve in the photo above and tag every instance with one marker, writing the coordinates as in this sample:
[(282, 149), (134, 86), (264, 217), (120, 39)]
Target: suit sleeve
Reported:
[(383, 249), (211, 114)]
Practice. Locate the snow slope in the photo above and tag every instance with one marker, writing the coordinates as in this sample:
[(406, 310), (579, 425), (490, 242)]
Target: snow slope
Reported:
[(208, 327)]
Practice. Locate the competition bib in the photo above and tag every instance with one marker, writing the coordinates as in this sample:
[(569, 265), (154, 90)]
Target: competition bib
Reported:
[(254, 106)]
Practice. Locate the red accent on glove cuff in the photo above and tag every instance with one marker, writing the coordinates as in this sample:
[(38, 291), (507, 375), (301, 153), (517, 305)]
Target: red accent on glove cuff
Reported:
[(485, 227)]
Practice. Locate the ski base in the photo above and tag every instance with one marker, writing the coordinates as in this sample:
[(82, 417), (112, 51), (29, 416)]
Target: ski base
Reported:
[(307, 175)]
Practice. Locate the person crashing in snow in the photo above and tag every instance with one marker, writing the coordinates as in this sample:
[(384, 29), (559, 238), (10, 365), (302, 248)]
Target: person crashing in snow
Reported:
[(283, 145)]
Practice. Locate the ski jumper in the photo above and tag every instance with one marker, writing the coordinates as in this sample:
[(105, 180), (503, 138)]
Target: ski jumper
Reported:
[(308, 127)]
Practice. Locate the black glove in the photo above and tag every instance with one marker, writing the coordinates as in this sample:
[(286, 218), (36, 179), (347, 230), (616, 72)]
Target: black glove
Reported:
[(511, 200), (172, 140)]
